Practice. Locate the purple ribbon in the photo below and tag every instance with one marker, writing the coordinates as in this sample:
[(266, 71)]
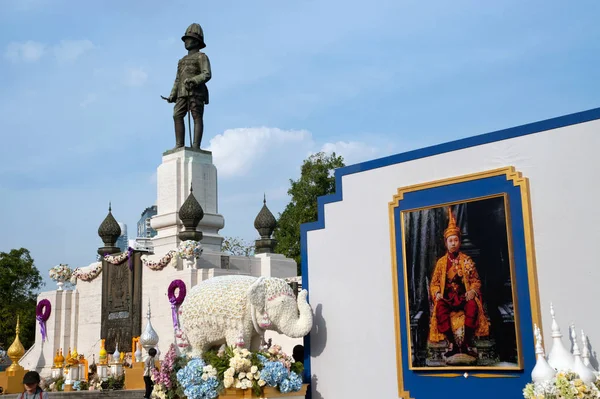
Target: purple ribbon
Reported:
[(130, 258), (174, 313), (42, 326)]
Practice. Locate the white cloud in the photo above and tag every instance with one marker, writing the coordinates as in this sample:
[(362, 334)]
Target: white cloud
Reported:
[(90, 98), (28, 51), (135, 77), (236, 150), (70, 50), (352, 151)]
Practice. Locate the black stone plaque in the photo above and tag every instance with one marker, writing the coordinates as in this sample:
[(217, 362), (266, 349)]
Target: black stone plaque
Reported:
[(121, 303)]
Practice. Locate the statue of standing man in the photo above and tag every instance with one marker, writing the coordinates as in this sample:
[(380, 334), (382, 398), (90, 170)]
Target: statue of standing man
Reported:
[(189, 91)]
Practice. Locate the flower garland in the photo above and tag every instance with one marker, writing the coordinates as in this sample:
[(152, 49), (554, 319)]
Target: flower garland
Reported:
[(60, 273), (92, 271), (87, 273), (42, 314), (118, 259), (162, 262), (176, 300)]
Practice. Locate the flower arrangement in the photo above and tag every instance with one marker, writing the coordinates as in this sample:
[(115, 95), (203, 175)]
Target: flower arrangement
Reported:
[(165, 379), (60, 273), (225, 368), (190, 249), (199, 380), (565, 385)]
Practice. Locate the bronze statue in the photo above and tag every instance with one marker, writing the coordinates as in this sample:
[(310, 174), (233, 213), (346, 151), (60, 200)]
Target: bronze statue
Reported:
[(189, 91)]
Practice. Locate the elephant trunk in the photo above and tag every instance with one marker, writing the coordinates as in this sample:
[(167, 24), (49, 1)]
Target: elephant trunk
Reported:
[(297, 326)]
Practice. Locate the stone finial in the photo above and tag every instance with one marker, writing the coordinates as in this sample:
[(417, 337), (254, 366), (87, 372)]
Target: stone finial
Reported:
[(190, 213), (265, 223), (109, 231), (559, 357), (542, 371)]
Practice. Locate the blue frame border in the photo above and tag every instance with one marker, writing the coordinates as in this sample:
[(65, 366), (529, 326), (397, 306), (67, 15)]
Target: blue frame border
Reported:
[(500, 135)]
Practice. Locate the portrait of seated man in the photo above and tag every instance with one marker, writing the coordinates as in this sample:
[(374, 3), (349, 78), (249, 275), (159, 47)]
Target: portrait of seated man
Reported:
[(458, 313)]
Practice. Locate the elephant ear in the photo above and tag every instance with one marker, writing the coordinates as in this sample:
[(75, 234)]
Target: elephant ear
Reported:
[(257, 294)]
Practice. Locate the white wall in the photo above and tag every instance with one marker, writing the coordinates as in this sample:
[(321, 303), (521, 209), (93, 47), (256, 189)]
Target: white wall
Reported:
[(349, 262)]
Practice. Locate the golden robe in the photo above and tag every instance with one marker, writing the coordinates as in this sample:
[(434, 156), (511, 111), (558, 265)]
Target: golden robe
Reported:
[(470, 278)]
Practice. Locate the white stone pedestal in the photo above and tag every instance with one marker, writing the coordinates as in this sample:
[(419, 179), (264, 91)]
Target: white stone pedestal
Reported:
[(102, 372), (116, 369), (180, 168)]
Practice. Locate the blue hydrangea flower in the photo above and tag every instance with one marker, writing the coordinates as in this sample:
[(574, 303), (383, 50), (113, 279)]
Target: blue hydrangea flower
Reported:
[(194, 387), (273, 373), (295, 382)]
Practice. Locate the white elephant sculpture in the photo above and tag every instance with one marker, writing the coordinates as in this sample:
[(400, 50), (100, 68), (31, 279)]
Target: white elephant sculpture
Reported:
[(237, 310)]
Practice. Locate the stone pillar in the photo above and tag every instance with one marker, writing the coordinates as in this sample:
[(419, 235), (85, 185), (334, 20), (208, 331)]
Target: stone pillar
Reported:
[(180, 169)]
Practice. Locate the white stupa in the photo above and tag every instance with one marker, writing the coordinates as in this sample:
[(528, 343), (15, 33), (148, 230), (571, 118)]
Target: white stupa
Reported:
[(584, 372), (559, 357), (542, 371)]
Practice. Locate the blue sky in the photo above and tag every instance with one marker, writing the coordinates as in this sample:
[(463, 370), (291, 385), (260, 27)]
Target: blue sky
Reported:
[(82, 123)]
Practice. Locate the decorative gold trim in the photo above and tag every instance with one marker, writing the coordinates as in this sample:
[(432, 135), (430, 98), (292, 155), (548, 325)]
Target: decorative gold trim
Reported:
[(518, 180), (483, 375), (402, 394), (476, 375)]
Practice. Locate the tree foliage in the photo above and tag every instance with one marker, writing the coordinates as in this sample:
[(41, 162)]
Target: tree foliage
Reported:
[(316, 179), (19, 282), (237, 247)]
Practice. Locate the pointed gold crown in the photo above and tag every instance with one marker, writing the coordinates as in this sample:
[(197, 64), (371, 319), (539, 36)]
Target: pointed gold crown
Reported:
[(452, 229)]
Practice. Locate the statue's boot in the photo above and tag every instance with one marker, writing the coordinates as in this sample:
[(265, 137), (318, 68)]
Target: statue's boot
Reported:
[(198, 132), (179, 133), (451, 342)]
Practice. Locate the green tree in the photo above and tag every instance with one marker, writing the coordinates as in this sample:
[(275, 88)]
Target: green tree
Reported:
[(316, 179), (237, 247), (19, 282)]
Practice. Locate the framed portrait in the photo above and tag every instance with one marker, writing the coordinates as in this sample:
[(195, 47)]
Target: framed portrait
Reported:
[(459, 285), (465, 283)]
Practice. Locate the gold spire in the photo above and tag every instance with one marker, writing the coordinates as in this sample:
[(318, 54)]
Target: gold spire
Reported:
[(16, 351)]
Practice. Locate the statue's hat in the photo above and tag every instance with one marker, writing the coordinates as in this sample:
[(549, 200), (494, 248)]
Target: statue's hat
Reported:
[(195, 31)]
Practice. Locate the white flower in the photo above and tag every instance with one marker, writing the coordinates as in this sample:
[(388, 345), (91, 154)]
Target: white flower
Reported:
[(242, 375), (261, 383), (228, 382), (253, 369), (205, 377)]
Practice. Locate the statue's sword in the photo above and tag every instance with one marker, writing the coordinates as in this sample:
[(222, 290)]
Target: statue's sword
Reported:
[(189, 98)]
